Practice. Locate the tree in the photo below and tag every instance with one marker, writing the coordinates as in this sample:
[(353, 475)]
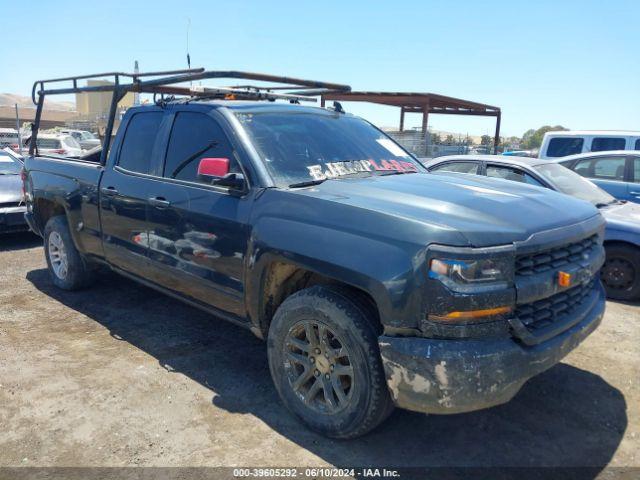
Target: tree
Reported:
[(435, 139), (449, 140), (486, 140), (532, 139)]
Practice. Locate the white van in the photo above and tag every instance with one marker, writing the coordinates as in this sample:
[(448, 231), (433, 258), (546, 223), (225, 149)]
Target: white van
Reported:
[(561, 144)]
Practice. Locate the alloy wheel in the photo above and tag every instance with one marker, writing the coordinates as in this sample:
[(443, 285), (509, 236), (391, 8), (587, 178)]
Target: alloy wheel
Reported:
[(318, 366), (58, 255)]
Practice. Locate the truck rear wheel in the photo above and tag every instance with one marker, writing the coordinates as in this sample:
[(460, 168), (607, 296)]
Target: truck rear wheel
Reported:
[(66, 267), (620, 273), (325, 363)]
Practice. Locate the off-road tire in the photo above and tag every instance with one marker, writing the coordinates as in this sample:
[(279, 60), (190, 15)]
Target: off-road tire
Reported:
[(78, 274), (630, 258), (346, 315)]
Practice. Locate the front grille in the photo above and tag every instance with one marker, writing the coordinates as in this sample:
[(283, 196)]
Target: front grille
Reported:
[(542, 313), (555, 257)]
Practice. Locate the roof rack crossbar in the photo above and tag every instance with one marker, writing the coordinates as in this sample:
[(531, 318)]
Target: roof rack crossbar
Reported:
[(181, 76)]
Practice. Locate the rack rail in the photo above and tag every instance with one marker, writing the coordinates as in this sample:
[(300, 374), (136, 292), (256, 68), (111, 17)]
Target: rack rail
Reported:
[(166, 83)]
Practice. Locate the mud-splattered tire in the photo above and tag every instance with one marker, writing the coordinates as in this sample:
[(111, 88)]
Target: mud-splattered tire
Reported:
[(325, 362), (620, 273), (66, 267)]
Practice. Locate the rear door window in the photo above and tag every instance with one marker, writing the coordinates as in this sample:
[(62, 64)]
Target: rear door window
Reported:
[(139, 139), (636, 170), (458, 167), (603, 168), (602, 144), (195, 136), (563, 146), (513, 174), (637, 146)]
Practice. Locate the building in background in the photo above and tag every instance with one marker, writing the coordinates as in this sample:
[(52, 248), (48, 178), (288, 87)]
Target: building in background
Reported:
[(94, 106)]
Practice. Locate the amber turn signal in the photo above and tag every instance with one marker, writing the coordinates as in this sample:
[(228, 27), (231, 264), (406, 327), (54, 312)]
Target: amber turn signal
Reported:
[(471, 314)]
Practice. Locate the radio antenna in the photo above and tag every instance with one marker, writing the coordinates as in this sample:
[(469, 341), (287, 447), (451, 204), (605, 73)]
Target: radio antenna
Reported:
[(188, 56)]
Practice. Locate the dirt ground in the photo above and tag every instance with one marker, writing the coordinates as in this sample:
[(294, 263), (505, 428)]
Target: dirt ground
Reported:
[(119, 375)]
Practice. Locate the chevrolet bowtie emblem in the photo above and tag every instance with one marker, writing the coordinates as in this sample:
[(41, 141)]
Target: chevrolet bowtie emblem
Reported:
[(564, 279)]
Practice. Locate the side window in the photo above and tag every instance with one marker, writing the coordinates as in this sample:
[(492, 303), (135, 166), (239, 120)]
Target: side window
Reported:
[(563, 146), (637, 145), (583, 167), (195, 136), (137, 146), (603, 144), (458, 167), (636, 170), (609, 168), (513, 174)]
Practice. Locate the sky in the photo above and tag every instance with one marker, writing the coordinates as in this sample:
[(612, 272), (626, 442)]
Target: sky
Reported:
[(572, 62)]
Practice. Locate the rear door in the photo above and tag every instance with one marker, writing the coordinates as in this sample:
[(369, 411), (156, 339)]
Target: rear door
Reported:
[(125, 189), (609, 172), (199, 232)]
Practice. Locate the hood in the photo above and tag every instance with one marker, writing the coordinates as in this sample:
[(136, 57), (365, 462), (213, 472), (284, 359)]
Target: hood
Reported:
[(485, 211), (10, 188), (623, 217)]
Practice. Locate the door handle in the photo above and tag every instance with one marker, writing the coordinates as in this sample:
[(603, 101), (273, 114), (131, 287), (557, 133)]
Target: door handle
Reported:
[(159, 202), (634, 193), (109, 191)]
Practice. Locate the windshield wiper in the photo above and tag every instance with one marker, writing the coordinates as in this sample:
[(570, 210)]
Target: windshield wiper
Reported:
[(612, 202), (307, 183), (393, 172)]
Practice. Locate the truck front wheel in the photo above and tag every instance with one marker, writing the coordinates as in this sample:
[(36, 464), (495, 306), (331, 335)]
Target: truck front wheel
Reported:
[(66, 267), (325, 362)]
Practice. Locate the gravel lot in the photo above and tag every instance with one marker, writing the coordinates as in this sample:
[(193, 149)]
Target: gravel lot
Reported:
[(121, 375)]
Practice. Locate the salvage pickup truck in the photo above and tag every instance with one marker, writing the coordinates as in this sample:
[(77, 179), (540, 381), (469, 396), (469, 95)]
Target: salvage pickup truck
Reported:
[(374, 282)]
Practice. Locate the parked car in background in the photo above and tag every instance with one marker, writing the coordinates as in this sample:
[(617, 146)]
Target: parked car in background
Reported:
[(57, 144), (572, 142), (621, 271), (520, 153), (617, 172), (12, 205), (87, 140), (9, 138)]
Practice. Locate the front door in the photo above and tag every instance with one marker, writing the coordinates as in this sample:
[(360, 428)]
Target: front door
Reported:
[(198, 232)]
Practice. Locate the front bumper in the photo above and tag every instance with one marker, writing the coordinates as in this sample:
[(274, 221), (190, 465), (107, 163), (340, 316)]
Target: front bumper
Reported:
[(454, 376), (12, 219)]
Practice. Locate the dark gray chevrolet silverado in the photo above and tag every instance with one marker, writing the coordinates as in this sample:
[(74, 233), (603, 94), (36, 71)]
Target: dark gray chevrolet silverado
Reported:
[(374, 283)]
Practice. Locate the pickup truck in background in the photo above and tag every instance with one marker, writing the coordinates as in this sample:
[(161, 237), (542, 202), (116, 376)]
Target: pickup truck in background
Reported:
[(374, 283)]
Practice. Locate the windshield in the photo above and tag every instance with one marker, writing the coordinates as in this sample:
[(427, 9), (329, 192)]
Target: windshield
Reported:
[(302, 147), (87, 136), (573, 184), (8, 165)]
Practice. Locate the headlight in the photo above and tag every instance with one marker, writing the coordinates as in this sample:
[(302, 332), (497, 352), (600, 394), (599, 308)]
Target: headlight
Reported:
[(471, 271), (472, 285)]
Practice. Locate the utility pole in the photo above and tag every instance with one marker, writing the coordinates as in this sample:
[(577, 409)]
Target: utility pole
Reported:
[(18, 129), (136, 96)]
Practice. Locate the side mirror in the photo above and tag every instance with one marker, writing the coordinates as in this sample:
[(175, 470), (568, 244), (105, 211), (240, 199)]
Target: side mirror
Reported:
[(216, 172), (213, 168)]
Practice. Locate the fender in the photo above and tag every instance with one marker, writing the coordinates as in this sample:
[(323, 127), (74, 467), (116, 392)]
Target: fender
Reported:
[(387, 272), (77, 195)]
